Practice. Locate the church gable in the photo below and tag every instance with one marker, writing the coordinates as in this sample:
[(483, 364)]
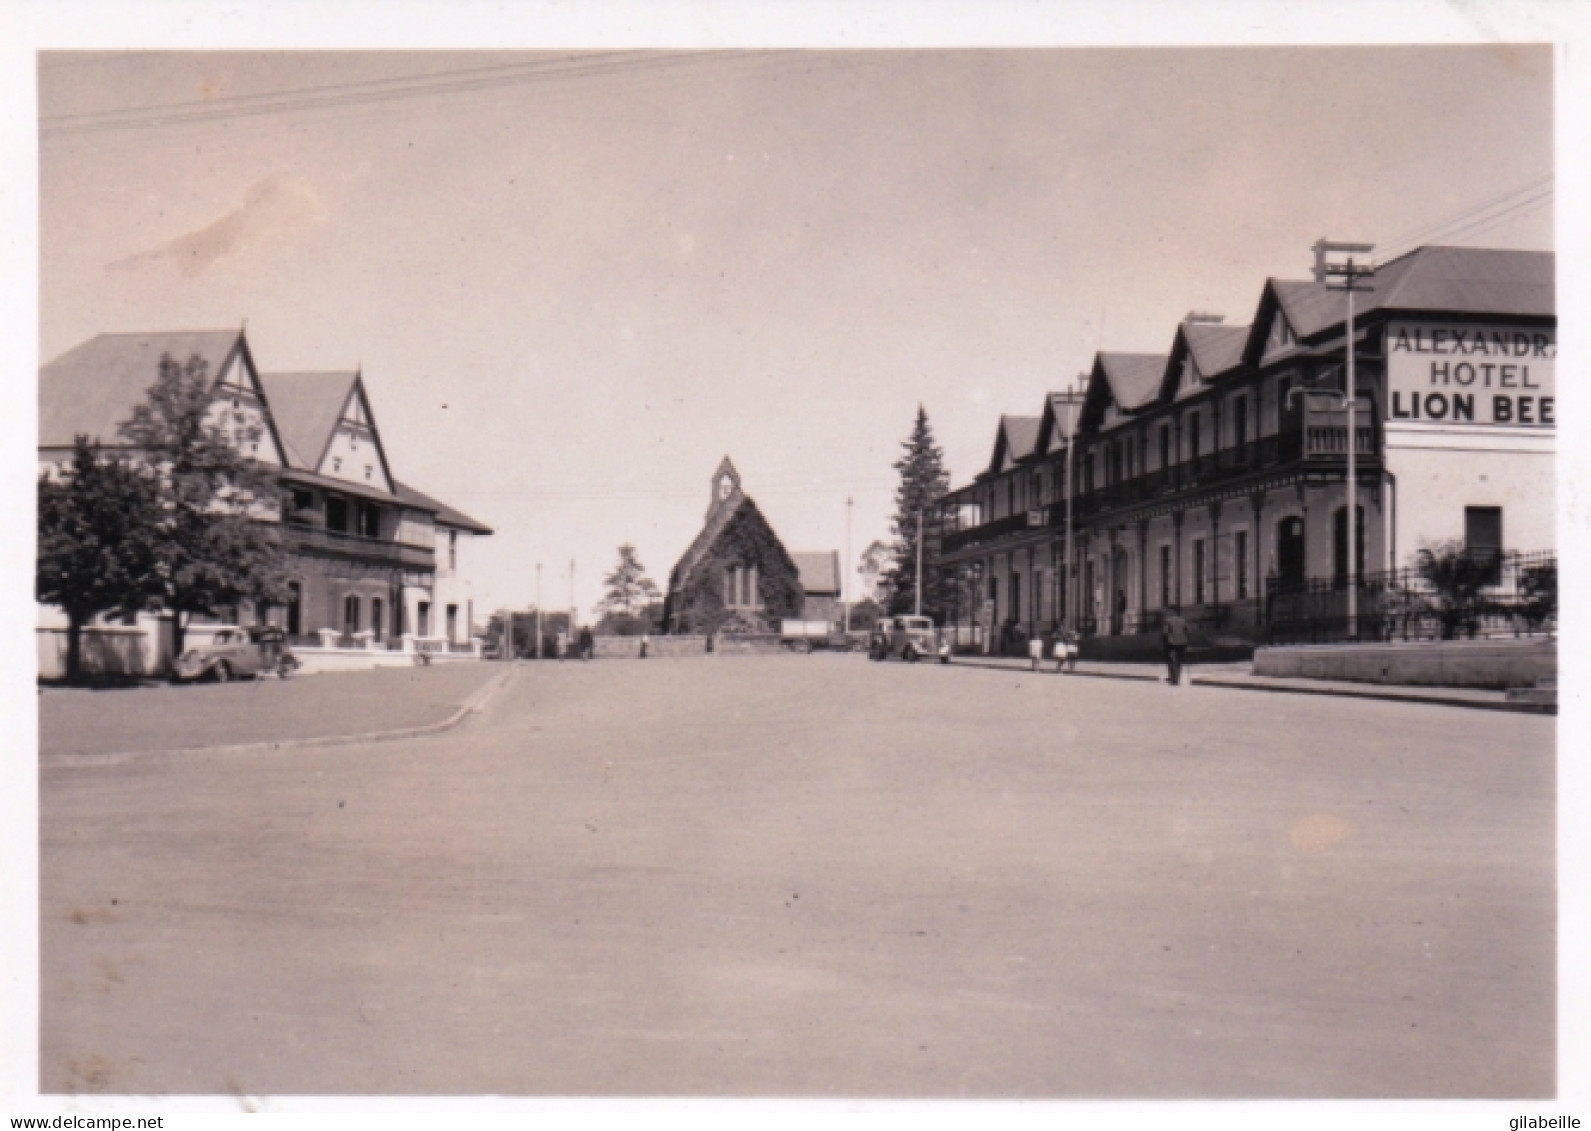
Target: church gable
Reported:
[(354, 452)]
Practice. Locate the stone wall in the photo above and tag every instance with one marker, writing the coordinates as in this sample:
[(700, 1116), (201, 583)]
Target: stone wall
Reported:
[(629, 647), (1497, 664)]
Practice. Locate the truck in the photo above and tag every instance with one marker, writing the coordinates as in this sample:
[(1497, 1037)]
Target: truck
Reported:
[(807, 635)]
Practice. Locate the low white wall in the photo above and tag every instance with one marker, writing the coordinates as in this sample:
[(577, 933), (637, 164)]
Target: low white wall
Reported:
[(134, 651), (1497, 664)]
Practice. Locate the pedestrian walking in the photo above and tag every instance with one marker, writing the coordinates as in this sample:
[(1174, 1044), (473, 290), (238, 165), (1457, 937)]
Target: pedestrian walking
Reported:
[(1065, 652), (645, 643), (587, 645), (1035, 651), (1174, 630)]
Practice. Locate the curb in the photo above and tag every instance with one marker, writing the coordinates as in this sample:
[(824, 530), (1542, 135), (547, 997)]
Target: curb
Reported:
[(1385, 697), (958, 662), (476, 700)]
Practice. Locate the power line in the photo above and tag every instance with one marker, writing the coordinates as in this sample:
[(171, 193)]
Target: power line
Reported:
[(1478, 217), (370, 91)]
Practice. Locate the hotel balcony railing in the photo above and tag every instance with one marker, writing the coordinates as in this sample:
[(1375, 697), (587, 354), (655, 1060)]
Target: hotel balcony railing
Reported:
[(1320, 439), (359, 546)]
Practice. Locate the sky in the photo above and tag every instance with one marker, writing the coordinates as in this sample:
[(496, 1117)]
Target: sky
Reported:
[(574, 281)]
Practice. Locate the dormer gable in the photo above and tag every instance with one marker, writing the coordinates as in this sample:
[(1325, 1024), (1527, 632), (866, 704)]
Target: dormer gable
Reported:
[(1279, 337), (353, 450), (242, 410)]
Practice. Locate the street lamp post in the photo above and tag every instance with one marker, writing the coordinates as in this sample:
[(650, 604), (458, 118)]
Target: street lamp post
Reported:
[(845, 569), (1344, 274), (918, 610), (538, 610)]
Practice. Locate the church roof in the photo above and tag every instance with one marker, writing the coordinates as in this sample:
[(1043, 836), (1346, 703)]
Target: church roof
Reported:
[(819, 571)]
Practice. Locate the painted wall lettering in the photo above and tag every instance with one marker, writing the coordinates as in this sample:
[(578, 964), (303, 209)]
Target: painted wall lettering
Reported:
[(1483, 376)]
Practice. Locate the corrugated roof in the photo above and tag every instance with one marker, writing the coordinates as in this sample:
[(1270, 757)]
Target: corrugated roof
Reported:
[(1134, 377), (306, 407), (94, 387), (1457, 280), (820, 571), (1215, 348), (445, 515)]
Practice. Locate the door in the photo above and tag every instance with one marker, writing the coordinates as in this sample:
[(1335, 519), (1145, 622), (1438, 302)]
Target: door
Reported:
[(1290, 552)]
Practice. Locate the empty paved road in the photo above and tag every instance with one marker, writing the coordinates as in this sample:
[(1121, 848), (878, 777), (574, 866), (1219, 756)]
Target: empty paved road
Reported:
[(815, 876)]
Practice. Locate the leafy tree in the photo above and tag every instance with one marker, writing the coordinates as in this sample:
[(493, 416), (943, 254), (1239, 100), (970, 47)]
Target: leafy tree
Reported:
[(629, 589), (1538, 590), (214, 546), (639, 623), (97, 553), (1458, 579), (923, 483)]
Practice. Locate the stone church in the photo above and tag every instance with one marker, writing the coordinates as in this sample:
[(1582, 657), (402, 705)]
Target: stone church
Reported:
[(736, 576)]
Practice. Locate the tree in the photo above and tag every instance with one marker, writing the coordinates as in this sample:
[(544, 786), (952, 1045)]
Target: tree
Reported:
[(1458, 579), (923, 483), (215, 544), (630, 591), (97, 552)]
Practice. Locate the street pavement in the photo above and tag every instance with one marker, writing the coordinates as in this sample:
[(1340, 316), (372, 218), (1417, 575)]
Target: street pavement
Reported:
[(818, 876), (325, 705)]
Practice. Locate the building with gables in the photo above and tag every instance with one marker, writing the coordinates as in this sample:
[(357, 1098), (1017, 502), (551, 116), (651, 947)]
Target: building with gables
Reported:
[(736, 574), (373, 562), (1214, 474)]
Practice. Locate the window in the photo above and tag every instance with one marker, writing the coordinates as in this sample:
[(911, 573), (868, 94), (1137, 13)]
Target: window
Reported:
[(1240, 551), (1339, 540), (295, 598), (303, 500), (336, 514), (1240, 421), (351, 614), (1193, 436), (1165, 577), (452, 622), (740, 587), (375, 617), (1483, 531), (452, 549), (1198, 571), (424, 618), (1483, 538), (369, 520)]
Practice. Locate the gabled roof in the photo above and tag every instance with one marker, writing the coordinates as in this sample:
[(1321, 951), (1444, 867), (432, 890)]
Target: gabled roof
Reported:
[(445, 515), (1216, 348), (1059, 421), (717, 519), (94, 387), (1129, 380), (1428, 280), (1016, 439), (820, 571), (307, 407)]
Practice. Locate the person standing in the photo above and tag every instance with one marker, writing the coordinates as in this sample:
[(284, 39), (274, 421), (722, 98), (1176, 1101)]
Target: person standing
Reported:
[(1174, 630), (1065, 648), (1035, 651)]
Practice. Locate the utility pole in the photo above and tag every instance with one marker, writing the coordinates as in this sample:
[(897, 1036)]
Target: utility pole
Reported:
[(538, 610), (1344, 275), (845, 569), (572, 609), (919, 605)]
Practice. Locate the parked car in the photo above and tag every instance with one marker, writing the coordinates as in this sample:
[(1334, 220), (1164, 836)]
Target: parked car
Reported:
[(909, 638), (234, 651)]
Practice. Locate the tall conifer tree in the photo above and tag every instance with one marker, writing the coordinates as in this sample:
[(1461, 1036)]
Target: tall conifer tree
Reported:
[(923, 483)]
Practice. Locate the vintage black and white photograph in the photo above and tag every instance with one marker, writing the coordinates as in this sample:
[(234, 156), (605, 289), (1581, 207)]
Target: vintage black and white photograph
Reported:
[(798, 572)]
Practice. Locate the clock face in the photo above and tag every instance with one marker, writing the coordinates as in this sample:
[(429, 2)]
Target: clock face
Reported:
[(725, 485)]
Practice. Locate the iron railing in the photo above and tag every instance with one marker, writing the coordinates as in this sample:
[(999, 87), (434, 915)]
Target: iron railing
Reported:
[(1464, 597)]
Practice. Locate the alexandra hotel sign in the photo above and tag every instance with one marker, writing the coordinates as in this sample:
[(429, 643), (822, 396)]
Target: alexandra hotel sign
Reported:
[(1446, 373)]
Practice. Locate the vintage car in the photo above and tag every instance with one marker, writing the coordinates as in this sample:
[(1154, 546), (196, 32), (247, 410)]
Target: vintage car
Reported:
[(909, 638), (233, 651)]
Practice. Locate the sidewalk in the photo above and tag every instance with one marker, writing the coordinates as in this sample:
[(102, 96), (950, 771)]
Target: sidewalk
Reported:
[(1239, 676), (305, 708)]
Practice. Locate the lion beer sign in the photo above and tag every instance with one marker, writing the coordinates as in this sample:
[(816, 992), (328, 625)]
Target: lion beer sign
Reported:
[(1447, 374)]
